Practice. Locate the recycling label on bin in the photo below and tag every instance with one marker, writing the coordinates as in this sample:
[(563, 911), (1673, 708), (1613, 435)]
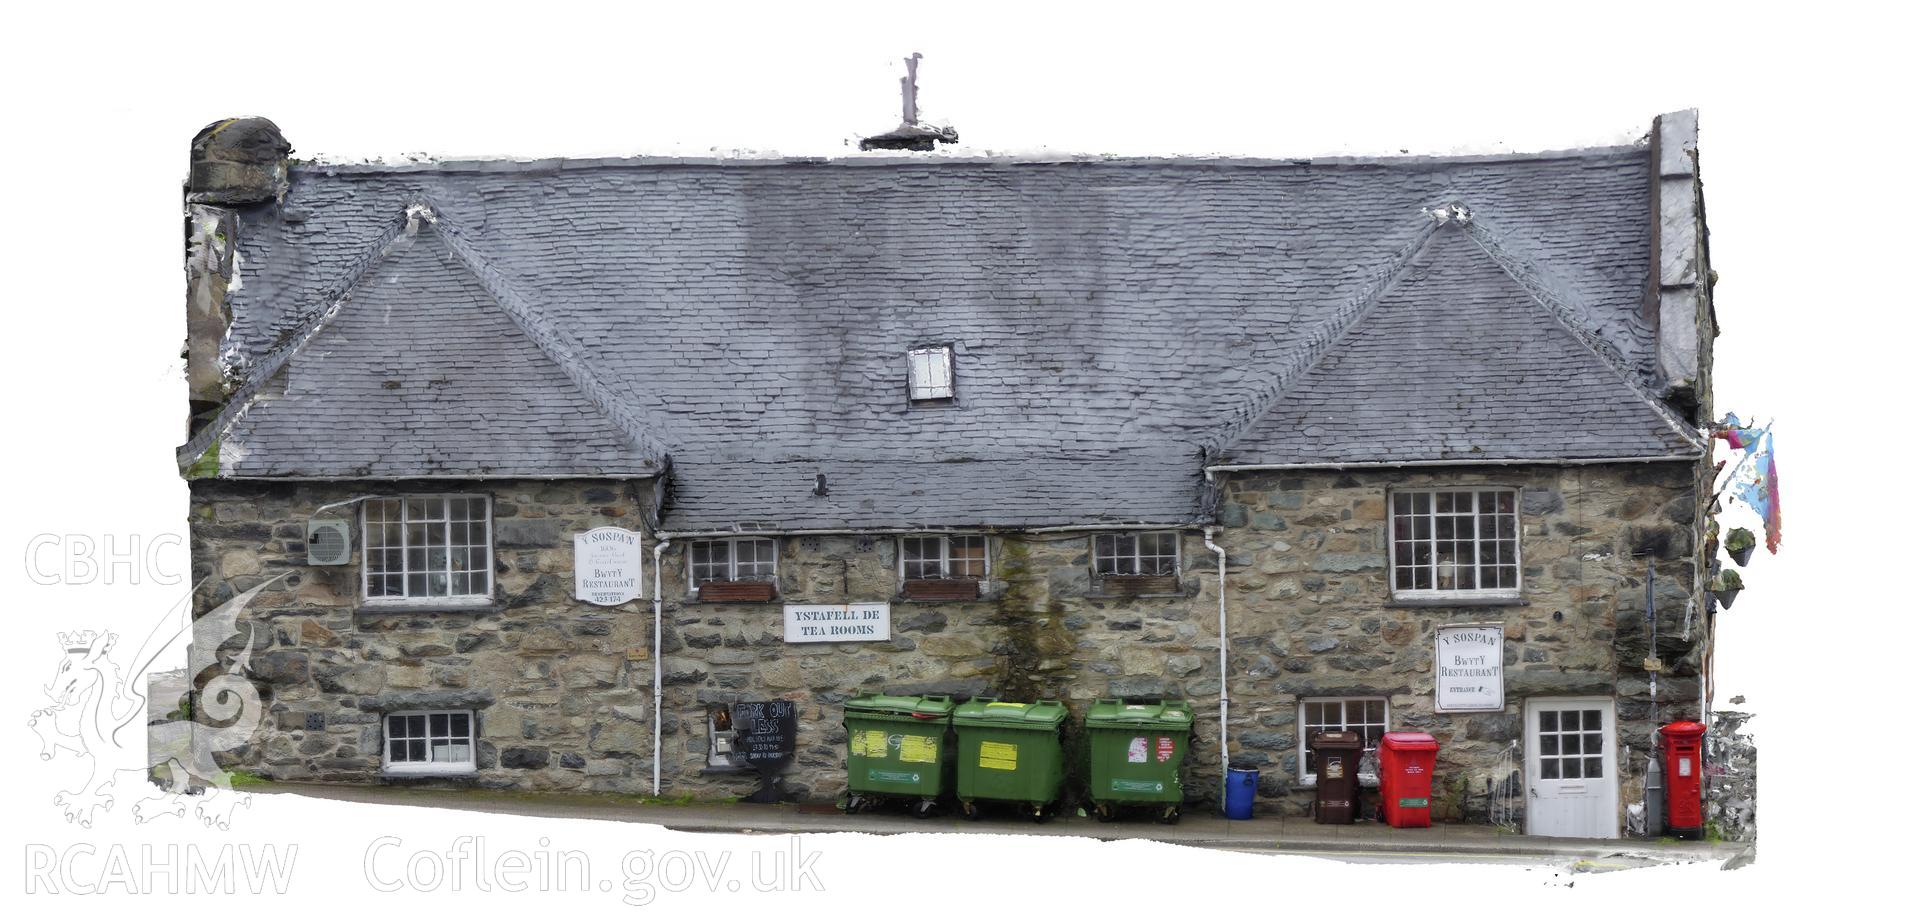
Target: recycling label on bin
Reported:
[(1002, 756), (1139, 785), (1413, 802), (1164, 750), (881, 775)]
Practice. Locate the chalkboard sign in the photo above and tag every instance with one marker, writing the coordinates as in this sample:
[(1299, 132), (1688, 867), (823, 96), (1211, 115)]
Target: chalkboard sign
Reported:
[(763, 737)]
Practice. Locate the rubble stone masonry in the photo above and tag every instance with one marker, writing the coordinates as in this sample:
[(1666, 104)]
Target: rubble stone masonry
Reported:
[(562, 688)]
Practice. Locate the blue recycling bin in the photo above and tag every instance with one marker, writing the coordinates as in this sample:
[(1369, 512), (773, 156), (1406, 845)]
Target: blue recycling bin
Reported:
[(1241, 784)]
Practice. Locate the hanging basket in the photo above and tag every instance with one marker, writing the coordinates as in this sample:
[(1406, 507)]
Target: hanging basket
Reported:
[(1740, 543), (1725, 597)]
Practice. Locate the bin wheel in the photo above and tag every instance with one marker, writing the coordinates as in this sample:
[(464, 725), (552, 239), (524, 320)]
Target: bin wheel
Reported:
[(1170, 815), (1041, 813), (1103, 813), (924, 808), (856, 804), (970, 810)]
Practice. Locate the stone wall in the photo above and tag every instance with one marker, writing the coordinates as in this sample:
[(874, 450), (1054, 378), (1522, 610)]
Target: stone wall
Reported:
[(1312, 613), (563, 688)]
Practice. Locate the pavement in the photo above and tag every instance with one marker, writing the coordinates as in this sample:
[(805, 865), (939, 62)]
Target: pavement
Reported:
[(1359, 842)]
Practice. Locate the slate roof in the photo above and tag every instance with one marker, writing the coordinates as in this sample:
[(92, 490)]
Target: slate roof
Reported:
[(1116, 324)]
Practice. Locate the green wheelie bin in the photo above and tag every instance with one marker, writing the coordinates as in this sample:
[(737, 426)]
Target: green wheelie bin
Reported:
[(1010, 752), (1134, 756), (897, 748)]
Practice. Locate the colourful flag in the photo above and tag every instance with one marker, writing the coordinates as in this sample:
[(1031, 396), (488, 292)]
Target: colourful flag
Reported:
[(1737, 435), (1759, 487)]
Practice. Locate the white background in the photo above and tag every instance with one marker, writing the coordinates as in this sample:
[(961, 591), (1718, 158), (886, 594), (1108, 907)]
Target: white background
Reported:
[(1805, 126)]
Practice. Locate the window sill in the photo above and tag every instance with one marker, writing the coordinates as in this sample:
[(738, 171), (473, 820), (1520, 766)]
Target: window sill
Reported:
[(1445, 602), (409, 607), (401, 772)]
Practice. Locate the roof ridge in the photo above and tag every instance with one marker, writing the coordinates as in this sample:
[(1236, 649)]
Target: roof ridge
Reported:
[(399, 234), (1320, 342), (555, 164), (1546, 290), (556, 344)]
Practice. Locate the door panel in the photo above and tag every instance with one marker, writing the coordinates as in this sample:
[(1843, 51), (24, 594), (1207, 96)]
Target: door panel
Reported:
[(1572, 788)]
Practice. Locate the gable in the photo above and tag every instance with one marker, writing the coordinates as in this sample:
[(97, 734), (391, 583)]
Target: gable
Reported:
[(422, 372), (1458, 362)]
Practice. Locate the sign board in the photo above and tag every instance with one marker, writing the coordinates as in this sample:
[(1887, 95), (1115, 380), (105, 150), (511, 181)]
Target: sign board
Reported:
[(1469, 667), (763, 738), (763, 732), (607, 568), (807, 622)]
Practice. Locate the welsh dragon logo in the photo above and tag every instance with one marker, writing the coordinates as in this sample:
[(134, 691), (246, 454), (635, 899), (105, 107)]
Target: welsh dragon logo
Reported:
[(100, 713)]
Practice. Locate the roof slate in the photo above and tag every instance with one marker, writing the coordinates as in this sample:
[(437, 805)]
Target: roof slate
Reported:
[(1109, 321)]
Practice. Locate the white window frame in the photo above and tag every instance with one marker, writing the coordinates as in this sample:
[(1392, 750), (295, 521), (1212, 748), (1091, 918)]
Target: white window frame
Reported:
[(1134, 536), (930, 373), (733, 560), (1438, 593), (946, 556), (389, 767), (1306, 733), (481, 598)]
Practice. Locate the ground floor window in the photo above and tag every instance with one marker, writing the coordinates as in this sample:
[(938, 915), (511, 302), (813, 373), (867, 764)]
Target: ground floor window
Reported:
[(1365, 716), (429, 742)]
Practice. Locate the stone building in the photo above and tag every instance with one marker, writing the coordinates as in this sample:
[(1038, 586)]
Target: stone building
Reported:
[(1063, 417)]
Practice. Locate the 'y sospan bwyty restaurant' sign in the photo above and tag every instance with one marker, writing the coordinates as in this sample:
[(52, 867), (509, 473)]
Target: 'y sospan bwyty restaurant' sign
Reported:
[(1469, 668), (607, 566)]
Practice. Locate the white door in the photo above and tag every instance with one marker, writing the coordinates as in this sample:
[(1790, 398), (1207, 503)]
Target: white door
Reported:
[(1572, 788)]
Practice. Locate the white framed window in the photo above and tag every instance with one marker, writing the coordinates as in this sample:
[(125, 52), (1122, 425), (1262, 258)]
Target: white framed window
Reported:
[(427, 742), (746, 558), (1152, 554), (930, 373), (1363, 715), (930, 558), (1456, 542), (433, 547)]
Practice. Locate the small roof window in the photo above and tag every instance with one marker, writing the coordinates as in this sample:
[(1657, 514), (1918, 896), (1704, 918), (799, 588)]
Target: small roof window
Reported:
[(930, 373)]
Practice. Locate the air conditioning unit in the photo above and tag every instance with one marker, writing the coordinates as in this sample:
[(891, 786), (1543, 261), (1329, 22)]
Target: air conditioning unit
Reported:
[(329, 542)]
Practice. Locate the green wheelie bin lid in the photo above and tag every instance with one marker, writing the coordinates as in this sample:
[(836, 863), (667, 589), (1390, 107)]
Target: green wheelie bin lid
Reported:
[(1028, 716), (926, 708), (1177, 713)]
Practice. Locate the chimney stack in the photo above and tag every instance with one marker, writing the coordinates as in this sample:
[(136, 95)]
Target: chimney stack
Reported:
[(235, 164)]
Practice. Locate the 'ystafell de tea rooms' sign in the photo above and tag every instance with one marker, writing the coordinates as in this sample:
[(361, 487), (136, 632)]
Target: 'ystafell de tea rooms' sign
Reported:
[(1469, 668)]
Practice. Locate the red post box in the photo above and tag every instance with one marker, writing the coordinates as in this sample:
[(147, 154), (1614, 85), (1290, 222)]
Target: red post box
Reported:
[(1682, 739), (1406, 778)]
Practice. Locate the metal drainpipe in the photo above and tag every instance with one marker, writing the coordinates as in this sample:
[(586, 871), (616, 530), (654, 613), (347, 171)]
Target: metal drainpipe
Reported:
[(1220, 556), (658, 550)]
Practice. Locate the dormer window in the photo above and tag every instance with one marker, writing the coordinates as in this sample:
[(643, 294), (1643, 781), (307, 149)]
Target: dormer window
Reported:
[(930, 374)]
